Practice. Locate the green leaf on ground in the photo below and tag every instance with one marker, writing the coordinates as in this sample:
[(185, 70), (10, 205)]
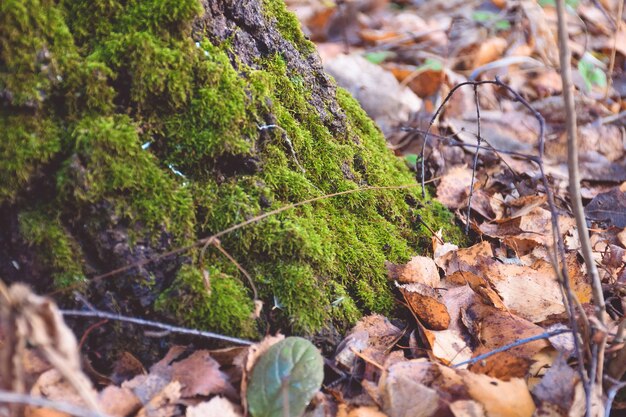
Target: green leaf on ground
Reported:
[(591, 74), (285, 379), (377, 57)]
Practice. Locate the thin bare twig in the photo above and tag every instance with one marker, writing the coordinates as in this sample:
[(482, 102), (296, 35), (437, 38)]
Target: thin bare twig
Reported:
[(517, 343), (475, 162), (8, 397), (611, 393), (616, 27), (156, 324), (559, 259), (597, 364)]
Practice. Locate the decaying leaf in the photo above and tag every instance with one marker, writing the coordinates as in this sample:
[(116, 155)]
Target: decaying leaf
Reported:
[(479, 285), (608, 208)]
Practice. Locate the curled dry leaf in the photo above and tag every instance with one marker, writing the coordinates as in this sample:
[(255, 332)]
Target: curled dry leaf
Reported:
[(479, 285), (495, 328), (374, 332), (164, 403), (427, 305), (404, 395), (52, 386), (452, 345), (465, 259)]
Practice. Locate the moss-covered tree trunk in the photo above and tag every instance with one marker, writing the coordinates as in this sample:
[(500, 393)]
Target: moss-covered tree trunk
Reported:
[(134, 127)]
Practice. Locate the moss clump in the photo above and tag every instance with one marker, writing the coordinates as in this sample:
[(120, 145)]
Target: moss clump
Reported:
[(54, 245), (132, 126)]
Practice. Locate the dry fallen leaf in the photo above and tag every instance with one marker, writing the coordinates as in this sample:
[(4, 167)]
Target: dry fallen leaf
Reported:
[(366, 412), (374, 332), (118, 402), (557, 388), (465, 259), (163, 404), (452, 345), (403, 395), (494, 329), (215, 407), (427, 305), (489, 50), (199, 374), (453, 189), (479, 285), (420, 269), (499, 398)]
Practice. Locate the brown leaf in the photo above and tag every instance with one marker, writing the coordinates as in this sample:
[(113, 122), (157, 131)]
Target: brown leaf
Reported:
[(453, 189), (489, 50), (118, 402), (216, 407), (479, 285), (427, 305), (366, 412), (499, 398), (52, 386), (495, 328), (465, 259), (609, 208), (404, 395), (451, 345), (164, 403), (30, 320), (531, 293), (420, 269), (199, 374), (557, 387), (502, 365), (126, 367), (374, 332)]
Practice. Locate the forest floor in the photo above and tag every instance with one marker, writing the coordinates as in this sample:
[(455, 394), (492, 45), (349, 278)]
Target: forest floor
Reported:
[(489, 328)]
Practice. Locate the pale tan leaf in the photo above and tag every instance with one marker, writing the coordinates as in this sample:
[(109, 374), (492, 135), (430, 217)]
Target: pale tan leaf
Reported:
[(499, 398), (216, 407)]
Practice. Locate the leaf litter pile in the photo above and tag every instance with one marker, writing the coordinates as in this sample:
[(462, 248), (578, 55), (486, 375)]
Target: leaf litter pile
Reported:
[(506, 327)]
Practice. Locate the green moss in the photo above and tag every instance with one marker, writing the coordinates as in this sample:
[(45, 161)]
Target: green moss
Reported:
[(224, 304), (58, 251), (148, 130), (288, 25)]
